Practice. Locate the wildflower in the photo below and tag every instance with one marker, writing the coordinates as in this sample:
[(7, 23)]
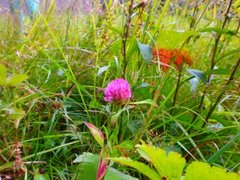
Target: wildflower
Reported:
[(18, 165), (167, 56), (181, 57), (117, 91), (164, 56)]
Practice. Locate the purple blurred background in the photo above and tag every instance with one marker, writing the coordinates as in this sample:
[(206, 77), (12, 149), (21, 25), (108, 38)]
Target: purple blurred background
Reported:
[(60, 5)]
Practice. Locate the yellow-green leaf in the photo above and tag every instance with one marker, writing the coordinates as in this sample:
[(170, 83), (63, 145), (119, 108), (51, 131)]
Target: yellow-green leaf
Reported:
[(3, 75), (96, 133), (169, 165), (141, 167), (16, 114), (200, 170), (236, 6), (17, 79)]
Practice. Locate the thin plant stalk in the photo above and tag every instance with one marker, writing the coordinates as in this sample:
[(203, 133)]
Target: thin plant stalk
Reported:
[(192, 25), (212, 60), (147, 119), (230, 79), (125, 36), (177, 89)]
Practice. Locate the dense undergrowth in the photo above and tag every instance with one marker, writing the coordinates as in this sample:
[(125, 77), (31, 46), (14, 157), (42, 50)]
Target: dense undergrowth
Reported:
[(180, 58)]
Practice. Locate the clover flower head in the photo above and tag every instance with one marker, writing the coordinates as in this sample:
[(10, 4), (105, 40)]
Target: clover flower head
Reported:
[(118, 91)]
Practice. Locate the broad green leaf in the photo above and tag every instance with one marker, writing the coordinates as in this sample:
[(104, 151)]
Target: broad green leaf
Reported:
[(114, 174), (85, 157), (141, 167), (198, 74), (87, 169), (3, 75), (168, 165), (173, 39), (96, 133), (200, 171), (102, 70), (88, 165), (40, 176), (145, 51), (17, 79)]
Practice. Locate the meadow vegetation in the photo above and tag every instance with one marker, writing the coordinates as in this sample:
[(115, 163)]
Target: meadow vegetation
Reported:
[(178, 93)]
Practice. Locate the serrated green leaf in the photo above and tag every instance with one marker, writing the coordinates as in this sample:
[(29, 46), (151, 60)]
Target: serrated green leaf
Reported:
[(145, 51), (141, 167), (200, 170), (17, 79), (198, 74), (168, 165), (3, 75)]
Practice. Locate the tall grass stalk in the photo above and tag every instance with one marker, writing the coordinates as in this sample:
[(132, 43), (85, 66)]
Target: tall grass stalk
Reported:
[(212, 59), (230, 79)]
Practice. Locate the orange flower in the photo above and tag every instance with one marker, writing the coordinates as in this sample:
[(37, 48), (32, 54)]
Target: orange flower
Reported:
[(164, 56), (181, 57), (187, 57), (178, 58)]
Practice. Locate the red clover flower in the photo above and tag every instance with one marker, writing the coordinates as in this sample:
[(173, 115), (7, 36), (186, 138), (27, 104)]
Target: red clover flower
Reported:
[(118, 91)]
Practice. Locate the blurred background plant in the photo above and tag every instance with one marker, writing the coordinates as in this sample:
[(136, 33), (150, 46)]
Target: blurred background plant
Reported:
[(54, 73)]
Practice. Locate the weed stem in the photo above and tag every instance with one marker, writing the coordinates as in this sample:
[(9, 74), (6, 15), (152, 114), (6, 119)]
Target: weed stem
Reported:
[(221, 94)]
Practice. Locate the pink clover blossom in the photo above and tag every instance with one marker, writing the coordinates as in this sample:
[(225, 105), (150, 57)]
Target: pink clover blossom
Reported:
[(118, 91)]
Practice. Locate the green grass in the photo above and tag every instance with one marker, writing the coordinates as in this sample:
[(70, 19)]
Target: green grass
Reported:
[(62, 53)]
